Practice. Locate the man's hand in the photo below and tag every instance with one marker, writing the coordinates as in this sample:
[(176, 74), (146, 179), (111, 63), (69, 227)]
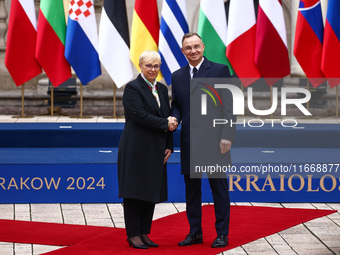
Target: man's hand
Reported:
[(167, 155), (225, 146), (172, 123)]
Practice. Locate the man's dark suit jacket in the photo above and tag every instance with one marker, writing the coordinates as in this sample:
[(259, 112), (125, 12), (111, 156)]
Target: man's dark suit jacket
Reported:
[(180, 107)]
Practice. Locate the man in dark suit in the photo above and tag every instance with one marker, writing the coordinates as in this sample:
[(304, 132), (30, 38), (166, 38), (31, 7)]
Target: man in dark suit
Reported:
[(200, 67)]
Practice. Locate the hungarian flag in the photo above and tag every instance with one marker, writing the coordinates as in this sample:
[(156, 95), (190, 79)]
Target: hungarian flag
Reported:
[(271, 51), (50, 47), (144, 30), (309, 40), (212, 27), (81, 46), (241, 40), (114, 42), (21, 41), (331, 44)]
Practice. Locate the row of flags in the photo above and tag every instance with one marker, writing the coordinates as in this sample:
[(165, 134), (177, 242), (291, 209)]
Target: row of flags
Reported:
[(66, 36), (252, 46)]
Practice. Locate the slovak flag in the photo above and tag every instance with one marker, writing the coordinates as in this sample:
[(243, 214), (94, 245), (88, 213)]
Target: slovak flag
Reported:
[(331, 46), (309, 40), (81, 46)]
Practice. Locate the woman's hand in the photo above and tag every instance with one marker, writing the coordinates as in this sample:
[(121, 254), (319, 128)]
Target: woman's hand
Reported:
[(167, 155), (172, 123)]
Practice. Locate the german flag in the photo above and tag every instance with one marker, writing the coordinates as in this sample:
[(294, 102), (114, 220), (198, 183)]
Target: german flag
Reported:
[(144, 30)]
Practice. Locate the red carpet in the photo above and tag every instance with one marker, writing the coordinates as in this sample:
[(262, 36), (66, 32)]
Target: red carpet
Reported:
[(248, 223)]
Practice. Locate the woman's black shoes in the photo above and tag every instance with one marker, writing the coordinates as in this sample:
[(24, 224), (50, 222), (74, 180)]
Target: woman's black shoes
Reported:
[(148, 243), (136, 246)]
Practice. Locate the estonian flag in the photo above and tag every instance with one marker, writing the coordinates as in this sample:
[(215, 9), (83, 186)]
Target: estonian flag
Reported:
[(114, 43)]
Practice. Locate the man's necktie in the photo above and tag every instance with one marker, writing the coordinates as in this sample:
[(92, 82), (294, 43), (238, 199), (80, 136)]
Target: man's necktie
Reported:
[(194, 72)]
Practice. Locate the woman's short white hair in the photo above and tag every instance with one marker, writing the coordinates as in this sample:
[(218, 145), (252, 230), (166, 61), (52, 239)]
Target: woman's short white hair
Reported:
[(149, 56)]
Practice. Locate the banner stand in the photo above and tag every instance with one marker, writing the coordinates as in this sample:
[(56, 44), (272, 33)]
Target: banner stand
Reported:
[(81, 106), (23, 105)]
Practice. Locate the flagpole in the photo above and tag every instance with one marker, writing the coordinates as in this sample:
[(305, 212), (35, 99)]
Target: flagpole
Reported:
[(52, 99), (22, 101), (271, 99), (22, 104), (81, 100), (337, 102), (242, 88), (308, 90), (114, 100), (81, 105)]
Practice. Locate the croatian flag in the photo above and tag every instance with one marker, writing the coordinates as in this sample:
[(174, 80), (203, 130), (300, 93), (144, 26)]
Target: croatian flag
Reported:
[(173, 26), (331, 46), (81, 46), (309, 40)]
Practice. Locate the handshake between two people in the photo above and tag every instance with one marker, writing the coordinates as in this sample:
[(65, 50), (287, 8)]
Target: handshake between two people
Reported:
[(172, 123)]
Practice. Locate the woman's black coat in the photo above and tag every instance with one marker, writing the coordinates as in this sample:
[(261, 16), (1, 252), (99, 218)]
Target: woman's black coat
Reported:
[(141, 172)]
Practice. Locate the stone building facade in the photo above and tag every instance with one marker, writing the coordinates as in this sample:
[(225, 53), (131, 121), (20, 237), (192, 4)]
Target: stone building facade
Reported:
[(103, 83)]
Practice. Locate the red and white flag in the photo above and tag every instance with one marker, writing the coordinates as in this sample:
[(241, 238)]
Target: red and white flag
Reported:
[(271, 51), (241, 40), (21, 42)]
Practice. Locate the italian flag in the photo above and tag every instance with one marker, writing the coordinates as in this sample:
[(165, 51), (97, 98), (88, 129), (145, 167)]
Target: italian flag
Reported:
[(241, 40), (50, 46), (144, 30), (212, 27)]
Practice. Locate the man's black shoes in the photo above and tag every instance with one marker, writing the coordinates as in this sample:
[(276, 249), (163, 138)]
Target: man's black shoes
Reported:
[(220, 241), (191, 239)]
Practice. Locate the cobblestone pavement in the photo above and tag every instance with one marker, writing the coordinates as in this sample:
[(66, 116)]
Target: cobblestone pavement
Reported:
[(317, 237)]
